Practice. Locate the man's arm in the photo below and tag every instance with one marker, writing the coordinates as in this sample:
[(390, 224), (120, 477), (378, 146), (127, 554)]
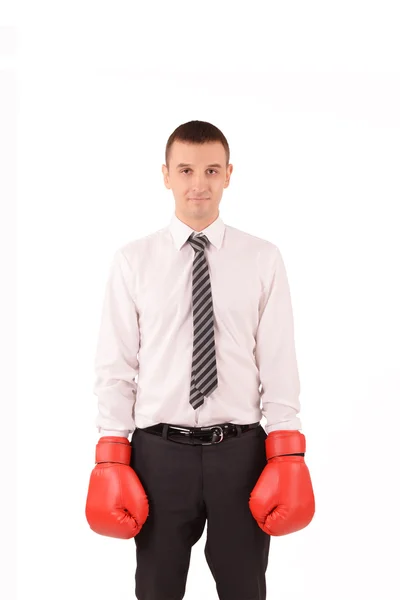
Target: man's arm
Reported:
[(282, 501), (116, 504), (275, 350), (116, 364)]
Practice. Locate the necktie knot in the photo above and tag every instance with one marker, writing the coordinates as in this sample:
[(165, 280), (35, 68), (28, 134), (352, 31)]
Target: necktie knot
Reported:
[(198, 242)]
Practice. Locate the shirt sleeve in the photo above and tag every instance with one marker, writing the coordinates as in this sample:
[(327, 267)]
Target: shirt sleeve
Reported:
[(116, 363), (275, 351)]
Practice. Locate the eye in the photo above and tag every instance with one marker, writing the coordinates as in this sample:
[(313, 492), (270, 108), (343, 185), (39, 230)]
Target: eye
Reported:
[(191, 169)]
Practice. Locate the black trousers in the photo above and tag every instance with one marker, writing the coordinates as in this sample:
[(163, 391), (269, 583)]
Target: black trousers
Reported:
[(188, 485)]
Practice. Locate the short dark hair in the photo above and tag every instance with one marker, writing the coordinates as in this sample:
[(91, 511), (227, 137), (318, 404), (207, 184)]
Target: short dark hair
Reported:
[(196, 132)]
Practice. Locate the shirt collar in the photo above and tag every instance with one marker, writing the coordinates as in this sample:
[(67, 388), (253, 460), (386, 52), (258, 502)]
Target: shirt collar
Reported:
[(180, 232)]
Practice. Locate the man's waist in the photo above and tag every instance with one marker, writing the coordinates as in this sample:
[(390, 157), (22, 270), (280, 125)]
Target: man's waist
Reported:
[(205, 435)]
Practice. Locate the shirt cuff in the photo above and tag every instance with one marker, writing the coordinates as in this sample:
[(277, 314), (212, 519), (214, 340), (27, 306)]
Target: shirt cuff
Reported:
[(104, 432)]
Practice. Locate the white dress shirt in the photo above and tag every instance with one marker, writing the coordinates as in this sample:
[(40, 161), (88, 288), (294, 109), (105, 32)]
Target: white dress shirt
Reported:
[(144, 352)]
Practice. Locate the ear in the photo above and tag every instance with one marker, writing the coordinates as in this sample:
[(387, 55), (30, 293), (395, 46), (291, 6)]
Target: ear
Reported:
[(166, 177)]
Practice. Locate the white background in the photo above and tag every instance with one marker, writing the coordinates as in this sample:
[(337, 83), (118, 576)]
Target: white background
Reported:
[(308, 96)]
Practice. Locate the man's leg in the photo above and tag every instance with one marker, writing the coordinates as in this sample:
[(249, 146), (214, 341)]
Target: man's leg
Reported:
[(171, 475), (236, 548)]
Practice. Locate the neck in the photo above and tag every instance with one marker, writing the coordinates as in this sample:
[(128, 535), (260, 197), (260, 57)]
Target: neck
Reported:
[(197, 225)]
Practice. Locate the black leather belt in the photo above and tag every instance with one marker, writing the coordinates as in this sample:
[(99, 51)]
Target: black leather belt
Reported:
[(213, 434)]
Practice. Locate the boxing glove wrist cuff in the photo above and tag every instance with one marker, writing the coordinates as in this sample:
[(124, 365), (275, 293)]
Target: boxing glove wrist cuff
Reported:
[(285, 442), (113, 449)]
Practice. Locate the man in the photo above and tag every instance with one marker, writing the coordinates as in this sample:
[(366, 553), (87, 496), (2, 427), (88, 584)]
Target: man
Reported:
[(201, 312)]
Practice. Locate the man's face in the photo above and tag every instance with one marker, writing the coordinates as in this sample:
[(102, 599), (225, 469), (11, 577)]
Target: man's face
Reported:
[(196, 181)]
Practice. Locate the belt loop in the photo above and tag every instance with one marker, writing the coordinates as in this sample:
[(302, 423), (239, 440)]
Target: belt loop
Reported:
[(165, 431), (238, 431)]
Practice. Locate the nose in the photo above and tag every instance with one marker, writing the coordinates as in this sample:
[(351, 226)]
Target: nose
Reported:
[(198, 183)]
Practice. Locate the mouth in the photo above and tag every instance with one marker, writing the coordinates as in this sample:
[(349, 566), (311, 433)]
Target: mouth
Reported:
[(198, 199)]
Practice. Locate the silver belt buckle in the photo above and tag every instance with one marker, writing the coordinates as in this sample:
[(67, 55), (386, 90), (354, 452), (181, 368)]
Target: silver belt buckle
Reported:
[(221, 431)]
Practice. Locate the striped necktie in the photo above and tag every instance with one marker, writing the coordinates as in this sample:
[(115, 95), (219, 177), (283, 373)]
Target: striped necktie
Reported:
[(204, 378)]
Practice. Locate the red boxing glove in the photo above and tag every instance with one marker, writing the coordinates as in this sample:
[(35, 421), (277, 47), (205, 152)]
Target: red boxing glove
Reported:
[(282, 500), (116, 505)]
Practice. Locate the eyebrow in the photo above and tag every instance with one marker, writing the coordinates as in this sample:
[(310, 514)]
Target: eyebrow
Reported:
[(190, 164)]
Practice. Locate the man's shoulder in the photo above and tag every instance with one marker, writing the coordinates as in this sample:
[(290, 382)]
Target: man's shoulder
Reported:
[(251, 241), (140, 245)]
